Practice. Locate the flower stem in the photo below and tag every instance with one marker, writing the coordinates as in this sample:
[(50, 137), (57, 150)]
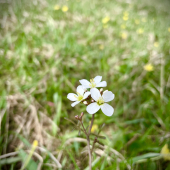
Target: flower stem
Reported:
[(88, 145), (88, 142), (91, 124)]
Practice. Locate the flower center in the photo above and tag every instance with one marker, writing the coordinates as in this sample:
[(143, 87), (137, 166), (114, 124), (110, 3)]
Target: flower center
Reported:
[(100, 101), (93, 84), (79, 97)]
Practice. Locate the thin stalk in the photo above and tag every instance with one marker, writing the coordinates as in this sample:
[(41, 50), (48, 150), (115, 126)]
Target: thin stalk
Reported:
[(91, 124), (88, 140), (84, 128), (88, 145)]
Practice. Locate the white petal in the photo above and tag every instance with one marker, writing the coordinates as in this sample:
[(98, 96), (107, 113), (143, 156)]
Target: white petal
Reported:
[(80, 90), (73, 104), (108, 96), (107, 109), (92, 108), (85, 83), (97, 79), (71, 96), (86, 95), (95, 94), (101, 84)]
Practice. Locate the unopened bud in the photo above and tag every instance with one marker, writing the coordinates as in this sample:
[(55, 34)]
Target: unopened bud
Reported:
[(80, 118), (92, 100), (82, 114), (77, 117), (85, 102), (101, 90)]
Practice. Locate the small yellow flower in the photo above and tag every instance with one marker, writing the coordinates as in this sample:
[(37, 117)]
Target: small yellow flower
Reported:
[(105, 20), (94, 128), (124, 35), (125, 18), (64, 8), (123, 26), (35, 143), (166, 152), (56, 7), (148, 67), (101, 47), (137, 21), (105, 25), (169, 29), (143, 19), (140, 31), (156, 44)]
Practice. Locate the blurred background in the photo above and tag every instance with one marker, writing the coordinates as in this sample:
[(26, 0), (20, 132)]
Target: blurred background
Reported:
[(47, 46)]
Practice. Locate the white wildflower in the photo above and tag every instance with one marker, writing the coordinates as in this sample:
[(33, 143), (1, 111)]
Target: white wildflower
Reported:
[(77, 98), (100, 102), (96, 82)]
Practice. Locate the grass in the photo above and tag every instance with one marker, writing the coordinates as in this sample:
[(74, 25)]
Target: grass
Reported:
[(44, 52)]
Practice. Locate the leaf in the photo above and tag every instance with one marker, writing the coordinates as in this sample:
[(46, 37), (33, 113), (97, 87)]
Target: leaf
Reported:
[(145, 156), (32, 164), (10, 160)]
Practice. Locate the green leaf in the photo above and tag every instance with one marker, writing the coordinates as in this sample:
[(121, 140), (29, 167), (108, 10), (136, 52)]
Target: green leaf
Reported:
[(145, 156), (32, 164)]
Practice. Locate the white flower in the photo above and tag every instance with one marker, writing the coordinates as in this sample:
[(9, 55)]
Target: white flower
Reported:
[(96, 82), (100, 102), (77, 98)]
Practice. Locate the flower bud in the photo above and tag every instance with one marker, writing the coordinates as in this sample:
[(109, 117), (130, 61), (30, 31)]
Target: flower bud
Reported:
[(77, 117), (101, 90), (80, 118), (92, 100), (82, 114), (85, 102)]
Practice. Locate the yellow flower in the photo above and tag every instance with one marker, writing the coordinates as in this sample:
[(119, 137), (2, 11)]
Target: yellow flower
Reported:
[(94, 128), (169, 29), (137, 21), (124, 35), (101, 47), (156, 44), (140, 31), (123, 26), (148, 67), (125, 18), (56, 7), (35, 144), (143, 19), (105, 20), (166, 152), (64, 8), (105, 25)]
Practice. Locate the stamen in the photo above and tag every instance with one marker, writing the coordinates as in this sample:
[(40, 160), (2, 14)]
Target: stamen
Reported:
[(79, 97), (100, 101), (75, 96), (93, 84)]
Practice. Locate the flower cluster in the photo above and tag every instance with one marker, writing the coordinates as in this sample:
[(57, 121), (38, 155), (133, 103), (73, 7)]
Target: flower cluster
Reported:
[(94, 99)]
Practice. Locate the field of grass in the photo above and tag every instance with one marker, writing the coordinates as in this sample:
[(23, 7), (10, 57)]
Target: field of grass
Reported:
[(47, 46)]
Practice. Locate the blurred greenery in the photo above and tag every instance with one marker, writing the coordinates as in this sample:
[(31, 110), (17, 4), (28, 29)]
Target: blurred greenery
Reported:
[(47, 46)]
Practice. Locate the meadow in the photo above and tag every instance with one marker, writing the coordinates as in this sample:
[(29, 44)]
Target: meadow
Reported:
[(47, 46)]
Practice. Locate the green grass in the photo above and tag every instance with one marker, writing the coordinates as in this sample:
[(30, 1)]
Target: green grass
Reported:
[(45, 52)]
